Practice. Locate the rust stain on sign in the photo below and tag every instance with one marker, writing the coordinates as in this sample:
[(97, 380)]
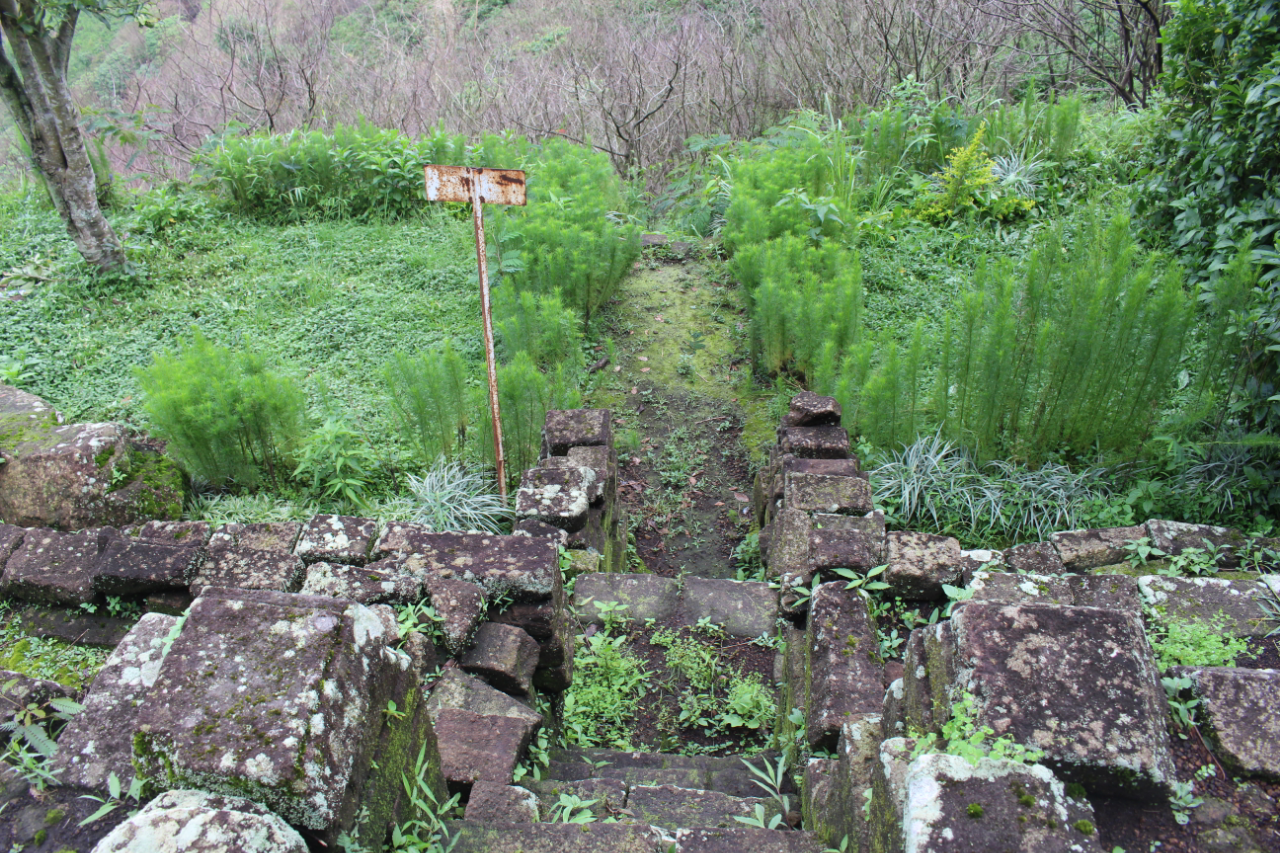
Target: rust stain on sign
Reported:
[(457, 183)]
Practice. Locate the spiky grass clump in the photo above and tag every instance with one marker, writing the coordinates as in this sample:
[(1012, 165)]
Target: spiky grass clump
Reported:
[(449, 496), (934, 483)]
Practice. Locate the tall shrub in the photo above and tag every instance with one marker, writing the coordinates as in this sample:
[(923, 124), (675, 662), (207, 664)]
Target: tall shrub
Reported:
[(570, 236), (226, 417), (537, 324), (525, 394), (429, 397)]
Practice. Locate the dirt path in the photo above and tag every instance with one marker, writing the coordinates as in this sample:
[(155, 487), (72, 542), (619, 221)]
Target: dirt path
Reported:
[(684, 414)]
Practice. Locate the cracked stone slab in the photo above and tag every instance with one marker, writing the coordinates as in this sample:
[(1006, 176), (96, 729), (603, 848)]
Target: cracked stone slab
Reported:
[(835, 494), (376, 583), (565, 429), (1078, 683), (846, 676), (337, 539), (493, 803), (995, 804), (99, 740), (137, 567), (526, 567), (279, 536), (189, 533), (642, 596), (829, 442), (1241, 716), (505, 656), (1082, 550), (247, 568), (845, 542), (197, 822), (1231, 604), (610, 794), (920, 563), (280, 698), (741, 838), (55, 568)]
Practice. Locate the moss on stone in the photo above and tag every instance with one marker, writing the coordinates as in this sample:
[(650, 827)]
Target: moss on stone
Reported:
[(1083, 826), (974, 810)]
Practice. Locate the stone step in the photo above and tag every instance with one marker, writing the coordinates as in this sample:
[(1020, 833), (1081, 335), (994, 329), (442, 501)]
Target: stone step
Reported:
[(723, 774), (744, 608), (466, 836), (673, 807)]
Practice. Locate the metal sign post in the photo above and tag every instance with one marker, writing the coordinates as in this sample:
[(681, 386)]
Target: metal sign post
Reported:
[(481, 186)]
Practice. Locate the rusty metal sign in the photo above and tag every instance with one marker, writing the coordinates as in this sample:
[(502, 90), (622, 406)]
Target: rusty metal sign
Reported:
[(480, 187), (461, 183)]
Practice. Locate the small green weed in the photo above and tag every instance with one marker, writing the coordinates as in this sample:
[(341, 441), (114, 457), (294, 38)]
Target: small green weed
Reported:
[(1196, 642)]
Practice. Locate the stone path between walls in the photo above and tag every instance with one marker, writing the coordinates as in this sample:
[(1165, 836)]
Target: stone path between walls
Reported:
[(270, 702)]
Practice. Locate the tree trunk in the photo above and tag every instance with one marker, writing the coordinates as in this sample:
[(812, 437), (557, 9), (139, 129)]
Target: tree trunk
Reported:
[(34, 88)]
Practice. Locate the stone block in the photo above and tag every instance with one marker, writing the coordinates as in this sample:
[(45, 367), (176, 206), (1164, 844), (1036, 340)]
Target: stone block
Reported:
[(475, 747), (99, 740), (493, 803), (78, 627), (952, 806), (642, 596), (282, 698), (787, 551), (77, 476), (193, 534), (1037, 558), (844, 542), (376, 583), (563, 430), (745, 609), (1113, 592), (471, 837), (1231, 604), (610, 794), (525, 567), (814, 442), (533, 527), (812, 410), (743, 838), (461, 606), (337, 539), (560, 497), (826, 493), (504, 656), (279, 536), (137, 567), (1078, 683), (846, 675), (1174, 537), (197, 822), (246, 568), (402, 537), (10, 539), (673, 807), (172, 603), (1241, 716), (1082, 550), (920, 563), (461, 691), (55, 568), (18, 690)]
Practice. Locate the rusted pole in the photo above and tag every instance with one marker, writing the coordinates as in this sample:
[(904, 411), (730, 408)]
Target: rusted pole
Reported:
[(477, 213)]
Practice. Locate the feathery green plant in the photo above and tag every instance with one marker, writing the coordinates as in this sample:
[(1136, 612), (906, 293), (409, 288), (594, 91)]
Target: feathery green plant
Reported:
[(430, 400)]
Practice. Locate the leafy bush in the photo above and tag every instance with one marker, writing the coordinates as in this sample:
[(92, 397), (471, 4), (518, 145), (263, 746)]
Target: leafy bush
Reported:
[(335, 464), (226, 417), (430, 400), (361, 172)]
